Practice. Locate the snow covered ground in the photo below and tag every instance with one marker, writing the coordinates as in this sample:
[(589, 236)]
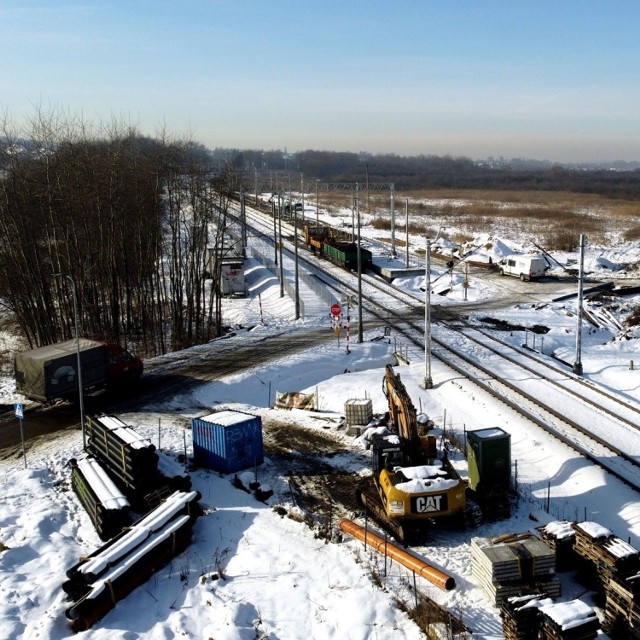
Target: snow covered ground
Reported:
[(253, 573)]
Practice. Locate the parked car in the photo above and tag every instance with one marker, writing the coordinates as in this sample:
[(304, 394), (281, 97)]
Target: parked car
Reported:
[(525, 267)]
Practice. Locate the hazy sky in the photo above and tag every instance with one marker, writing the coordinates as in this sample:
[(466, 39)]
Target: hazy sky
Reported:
[(548, 79)]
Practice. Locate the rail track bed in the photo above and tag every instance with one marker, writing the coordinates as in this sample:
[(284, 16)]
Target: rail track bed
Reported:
[(591, 422)]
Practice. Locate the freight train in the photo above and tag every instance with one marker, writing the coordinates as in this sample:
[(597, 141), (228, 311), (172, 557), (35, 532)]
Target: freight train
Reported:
[(336, 247)]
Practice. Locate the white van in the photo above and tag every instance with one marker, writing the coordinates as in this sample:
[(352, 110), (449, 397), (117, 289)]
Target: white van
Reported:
[(523, 266)]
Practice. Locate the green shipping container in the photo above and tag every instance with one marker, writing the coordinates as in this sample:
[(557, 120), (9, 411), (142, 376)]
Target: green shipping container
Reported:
[(489, 460)]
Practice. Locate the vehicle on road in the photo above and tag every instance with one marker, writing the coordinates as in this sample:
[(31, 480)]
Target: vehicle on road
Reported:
[(525, 267), (51, 372)]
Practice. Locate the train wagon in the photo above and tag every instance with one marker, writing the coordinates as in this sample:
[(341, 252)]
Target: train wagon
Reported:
[(345, 254), (315, 235)]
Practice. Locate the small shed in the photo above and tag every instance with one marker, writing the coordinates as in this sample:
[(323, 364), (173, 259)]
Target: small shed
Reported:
[(227, 441)]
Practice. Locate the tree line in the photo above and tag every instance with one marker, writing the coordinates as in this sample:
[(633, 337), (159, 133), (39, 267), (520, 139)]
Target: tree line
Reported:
[(409, 173), (117, 225), (136, 228)]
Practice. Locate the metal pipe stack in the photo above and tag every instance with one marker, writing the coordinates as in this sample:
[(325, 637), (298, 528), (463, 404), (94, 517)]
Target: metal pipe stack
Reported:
[(110, 573), (146, 476), (105, 504)]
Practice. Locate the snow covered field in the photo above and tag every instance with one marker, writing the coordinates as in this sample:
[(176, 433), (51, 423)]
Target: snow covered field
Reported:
[(252, 573)]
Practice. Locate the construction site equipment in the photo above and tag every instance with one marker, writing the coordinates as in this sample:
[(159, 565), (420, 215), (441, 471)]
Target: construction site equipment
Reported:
[(411, 483), (111, 572), (420, 567), (227, 441)]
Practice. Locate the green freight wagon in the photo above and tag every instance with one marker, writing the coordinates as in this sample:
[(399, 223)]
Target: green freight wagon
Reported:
[(345, 254)]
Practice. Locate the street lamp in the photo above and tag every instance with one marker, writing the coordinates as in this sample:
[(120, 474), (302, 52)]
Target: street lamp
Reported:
[(77, 332)]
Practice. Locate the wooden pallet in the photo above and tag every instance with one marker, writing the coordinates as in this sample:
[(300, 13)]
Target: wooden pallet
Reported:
[(521, 617), (573, 620), (622, 607), (560, 537)]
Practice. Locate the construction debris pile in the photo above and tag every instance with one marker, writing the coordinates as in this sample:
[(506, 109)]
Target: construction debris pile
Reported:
[(601, 555), (603, 562), (607, 564)]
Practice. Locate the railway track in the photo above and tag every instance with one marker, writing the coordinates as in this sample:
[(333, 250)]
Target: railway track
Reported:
[(593, 422), (605, 441)]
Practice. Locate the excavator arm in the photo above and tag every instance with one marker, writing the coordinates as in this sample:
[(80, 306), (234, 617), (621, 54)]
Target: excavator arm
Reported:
[(403, 416)]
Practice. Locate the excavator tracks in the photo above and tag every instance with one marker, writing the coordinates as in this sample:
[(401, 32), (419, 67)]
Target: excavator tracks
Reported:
[(369, 500)]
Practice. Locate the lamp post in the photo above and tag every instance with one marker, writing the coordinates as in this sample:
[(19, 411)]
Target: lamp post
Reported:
[(77, 332)]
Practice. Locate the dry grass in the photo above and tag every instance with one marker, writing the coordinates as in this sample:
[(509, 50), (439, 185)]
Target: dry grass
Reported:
[(554, 220)]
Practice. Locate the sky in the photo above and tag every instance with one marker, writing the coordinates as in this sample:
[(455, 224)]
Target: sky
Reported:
[(546, 80)]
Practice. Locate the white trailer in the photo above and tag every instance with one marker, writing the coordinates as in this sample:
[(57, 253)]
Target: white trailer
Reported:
[(525, 267), (232, 277)]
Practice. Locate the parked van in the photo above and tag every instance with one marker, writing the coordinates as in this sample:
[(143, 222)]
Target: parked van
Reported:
[(523, 266)]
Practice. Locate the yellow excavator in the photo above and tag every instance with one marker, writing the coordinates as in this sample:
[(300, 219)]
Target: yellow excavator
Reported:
[(411, 482)]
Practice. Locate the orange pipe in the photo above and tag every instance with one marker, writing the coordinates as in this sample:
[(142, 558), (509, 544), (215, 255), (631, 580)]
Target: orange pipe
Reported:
[(433, 575)]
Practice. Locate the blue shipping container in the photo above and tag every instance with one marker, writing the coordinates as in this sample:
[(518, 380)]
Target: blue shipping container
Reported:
[(227, 441)]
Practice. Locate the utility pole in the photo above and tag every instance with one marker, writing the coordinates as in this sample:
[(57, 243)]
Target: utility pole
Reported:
[(280, 243), (406, 227), (243, 219), (393, 220), (577, 365), (295, 253), (360, 338), (275, 231), (428, 381), (255, 182), (302, 195), (366, 166), (78, 331)]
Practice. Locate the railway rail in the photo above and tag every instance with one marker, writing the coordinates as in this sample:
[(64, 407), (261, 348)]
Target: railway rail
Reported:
[(593, 422)]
